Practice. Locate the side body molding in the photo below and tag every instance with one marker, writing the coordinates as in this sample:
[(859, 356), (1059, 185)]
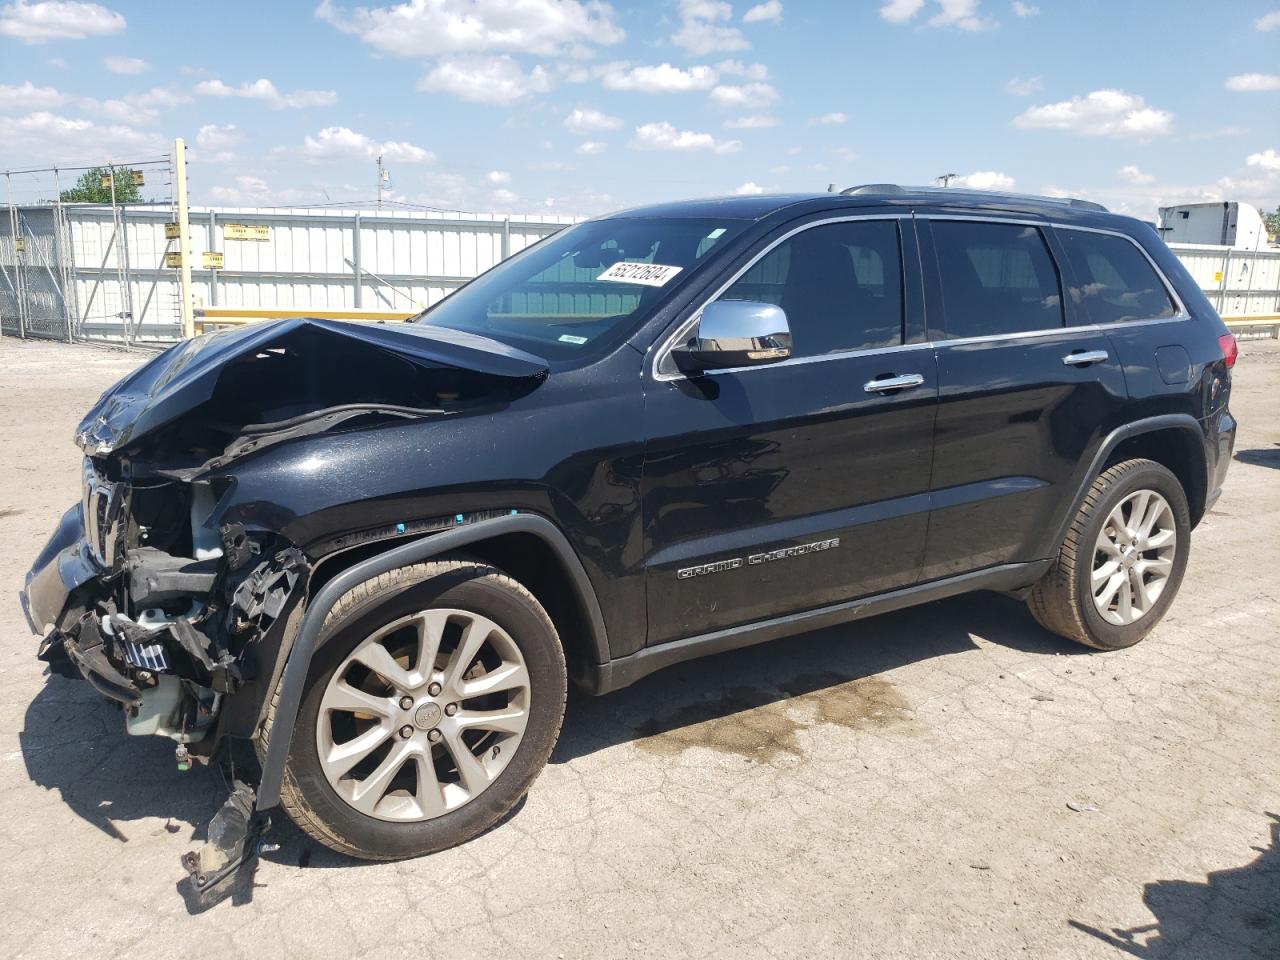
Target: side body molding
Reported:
[(304, 645)]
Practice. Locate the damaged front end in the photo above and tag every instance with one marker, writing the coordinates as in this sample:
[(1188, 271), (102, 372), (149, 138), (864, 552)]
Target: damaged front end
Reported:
[(171, 596)]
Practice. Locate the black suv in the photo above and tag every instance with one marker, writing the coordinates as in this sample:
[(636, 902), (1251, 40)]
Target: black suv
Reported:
[(378, 552)]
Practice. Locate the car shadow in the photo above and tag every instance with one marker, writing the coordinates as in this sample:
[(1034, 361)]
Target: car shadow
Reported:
[(834, 668), (1260, 457), (72, 740), (1234, 913)]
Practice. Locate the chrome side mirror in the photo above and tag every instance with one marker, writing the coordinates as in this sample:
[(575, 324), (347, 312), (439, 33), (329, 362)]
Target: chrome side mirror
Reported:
[(736, 333)]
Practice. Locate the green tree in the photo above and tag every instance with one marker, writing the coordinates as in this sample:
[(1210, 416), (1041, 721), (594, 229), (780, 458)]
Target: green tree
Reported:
[(1272, 223), (89, 188)]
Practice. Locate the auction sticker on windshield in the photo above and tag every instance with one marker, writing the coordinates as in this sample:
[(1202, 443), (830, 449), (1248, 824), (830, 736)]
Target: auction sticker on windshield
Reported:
[(648, 274)]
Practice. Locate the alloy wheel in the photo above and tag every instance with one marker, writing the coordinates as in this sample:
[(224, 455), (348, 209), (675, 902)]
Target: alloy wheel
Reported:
[(423, 715), (1133, 557)]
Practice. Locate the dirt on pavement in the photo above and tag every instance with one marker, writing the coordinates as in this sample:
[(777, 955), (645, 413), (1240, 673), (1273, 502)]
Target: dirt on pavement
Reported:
[(947, 781)]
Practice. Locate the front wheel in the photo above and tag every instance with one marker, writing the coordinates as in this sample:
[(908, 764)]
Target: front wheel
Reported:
[(1122, 561), (429, 710)]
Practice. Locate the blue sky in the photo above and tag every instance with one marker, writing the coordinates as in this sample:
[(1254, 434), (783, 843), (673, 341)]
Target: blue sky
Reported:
[(573, 106)]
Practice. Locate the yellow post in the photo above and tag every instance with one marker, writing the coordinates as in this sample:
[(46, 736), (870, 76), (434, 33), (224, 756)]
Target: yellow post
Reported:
[(184, 238)]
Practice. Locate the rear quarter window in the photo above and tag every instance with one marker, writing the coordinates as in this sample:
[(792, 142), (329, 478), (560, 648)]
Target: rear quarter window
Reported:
[(1114, 281)]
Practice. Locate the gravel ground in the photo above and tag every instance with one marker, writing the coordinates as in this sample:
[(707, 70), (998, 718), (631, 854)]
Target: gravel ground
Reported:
[(948, 781)]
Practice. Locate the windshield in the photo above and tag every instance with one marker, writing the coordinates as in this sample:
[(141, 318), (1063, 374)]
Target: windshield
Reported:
[(589, 285)]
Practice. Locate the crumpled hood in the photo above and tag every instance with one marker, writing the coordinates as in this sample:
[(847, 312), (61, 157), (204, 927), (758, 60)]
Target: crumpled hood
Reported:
[(185, 375)]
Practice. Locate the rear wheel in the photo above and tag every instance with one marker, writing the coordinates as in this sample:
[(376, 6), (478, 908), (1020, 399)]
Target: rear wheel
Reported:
[(1123, 559), (428, 712)]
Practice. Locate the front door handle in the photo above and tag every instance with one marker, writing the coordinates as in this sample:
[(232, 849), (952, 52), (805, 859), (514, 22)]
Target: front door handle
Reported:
[(1082, 358), (885, 384)]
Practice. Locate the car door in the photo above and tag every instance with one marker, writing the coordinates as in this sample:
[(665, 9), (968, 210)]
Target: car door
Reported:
[(789, 486), (1024, 395)]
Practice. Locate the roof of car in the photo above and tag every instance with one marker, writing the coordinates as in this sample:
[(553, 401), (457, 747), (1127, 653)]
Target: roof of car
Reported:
[(758, 206)]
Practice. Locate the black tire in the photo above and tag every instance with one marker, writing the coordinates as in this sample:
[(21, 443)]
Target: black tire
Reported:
[(1062, 601), (306, 794)]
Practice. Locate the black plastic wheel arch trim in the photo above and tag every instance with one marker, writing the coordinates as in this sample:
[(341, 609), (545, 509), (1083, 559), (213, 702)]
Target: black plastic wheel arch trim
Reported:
[(293, 679), (1179, 421)]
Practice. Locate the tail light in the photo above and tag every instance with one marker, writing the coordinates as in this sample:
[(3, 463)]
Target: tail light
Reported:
[(1227, 344)]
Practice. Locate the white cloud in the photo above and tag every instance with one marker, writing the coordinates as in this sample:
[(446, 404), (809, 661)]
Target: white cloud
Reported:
[(502, 197), (1021, 9), (900, 11), (1267, 160), (265, 91), (214, 142), (736, 68), (961, 14), (829, 120), (343, 143), (214, 137), (844, 153), (590, 148), (747, 95), (139, 108), (1130, 173), (128, 66), (1254, 82), (749, 189), (762, 12), (664, 136), (250, 191), (702, 28), (1268, 21), (1024, 86), (27, 96), (498, 177), (496, 80), (588, 120), (46, 137), (57, 62), (1102, 113), (985, 180), (247, 192), (663, 78), (753, 121), (57, 20), (427, 28)]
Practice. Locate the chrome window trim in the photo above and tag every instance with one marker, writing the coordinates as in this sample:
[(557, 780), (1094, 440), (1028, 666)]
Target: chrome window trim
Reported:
[(683, 329), (1181, 308), (665, 349)]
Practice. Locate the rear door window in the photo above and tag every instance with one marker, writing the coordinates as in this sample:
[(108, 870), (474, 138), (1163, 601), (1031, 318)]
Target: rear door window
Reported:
[(1116, 282), (997, 278), (840, 285)]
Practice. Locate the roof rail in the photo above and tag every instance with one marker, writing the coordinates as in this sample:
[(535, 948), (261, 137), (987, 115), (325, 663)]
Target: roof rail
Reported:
[(893, 188), (872, 188)]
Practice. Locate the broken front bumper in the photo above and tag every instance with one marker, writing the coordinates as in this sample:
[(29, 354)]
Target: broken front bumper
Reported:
[(64, 566)]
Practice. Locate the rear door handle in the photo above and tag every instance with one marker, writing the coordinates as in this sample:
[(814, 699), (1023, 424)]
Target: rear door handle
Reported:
[(885, 384), (1082, 358)]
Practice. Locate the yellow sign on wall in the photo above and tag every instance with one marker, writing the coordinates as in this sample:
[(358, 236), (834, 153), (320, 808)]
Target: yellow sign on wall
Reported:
[(171, 231), (246, 231), (173, 259), (1217, 276), (212, 260), (138, 180)]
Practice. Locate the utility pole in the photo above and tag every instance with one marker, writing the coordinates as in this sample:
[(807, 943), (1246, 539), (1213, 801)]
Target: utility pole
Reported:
[(946, 178), (382, 178), (184, 239)]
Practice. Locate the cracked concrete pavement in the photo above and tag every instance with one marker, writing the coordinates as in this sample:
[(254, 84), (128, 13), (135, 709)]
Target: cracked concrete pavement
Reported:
[(947, 781)]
